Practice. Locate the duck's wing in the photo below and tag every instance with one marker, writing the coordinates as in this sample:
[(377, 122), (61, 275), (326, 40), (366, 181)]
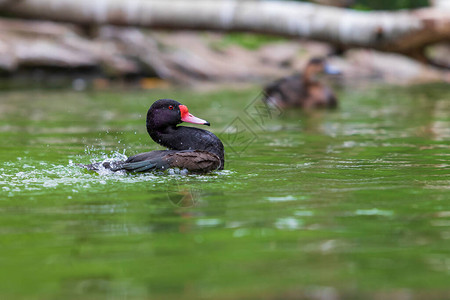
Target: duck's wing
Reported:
[(147, 161), (285, 91), (152, 155), (197, 161)]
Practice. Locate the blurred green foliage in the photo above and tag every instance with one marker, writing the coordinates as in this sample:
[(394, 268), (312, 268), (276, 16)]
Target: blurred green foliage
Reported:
[(388, 4), (251, 41), (379, 4)]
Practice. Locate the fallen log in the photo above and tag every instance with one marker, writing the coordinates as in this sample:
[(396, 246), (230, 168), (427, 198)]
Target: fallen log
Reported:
[(407, 32)]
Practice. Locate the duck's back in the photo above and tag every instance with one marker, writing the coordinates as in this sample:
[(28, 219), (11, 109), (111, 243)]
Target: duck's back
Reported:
[(203, 140), (320, 96), (191, 138), (286, 92), (192, 160)]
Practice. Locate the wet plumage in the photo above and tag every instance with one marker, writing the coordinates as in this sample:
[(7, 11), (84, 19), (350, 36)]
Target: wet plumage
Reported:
[(194, 149)]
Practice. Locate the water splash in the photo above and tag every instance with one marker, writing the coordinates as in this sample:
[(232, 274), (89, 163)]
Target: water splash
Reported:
[(25, 174)]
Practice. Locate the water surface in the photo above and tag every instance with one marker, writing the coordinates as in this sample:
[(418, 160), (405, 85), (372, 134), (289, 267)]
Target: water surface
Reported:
[(348, 204)]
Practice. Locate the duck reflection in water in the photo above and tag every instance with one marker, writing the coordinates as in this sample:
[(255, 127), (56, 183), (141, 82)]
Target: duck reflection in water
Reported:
[(184, 196)]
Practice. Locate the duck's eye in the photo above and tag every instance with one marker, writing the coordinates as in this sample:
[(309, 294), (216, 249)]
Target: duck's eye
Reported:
[(170, 107)]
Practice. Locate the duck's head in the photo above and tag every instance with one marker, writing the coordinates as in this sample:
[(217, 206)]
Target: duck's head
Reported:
[(167, 112), (319, 65)]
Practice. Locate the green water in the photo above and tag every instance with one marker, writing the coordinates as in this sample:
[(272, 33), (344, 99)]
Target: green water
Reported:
[(349, 204)]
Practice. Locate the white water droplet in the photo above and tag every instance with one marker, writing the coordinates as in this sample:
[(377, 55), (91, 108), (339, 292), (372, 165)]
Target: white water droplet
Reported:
[(50, 184)]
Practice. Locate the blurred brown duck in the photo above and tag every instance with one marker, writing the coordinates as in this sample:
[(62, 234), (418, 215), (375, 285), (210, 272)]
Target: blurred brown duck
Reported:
[(303, 90)]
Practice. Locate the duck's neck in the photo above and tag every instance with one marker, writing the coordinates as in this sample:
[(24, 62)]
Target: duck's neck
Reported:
[(169, 137), (179, 137)]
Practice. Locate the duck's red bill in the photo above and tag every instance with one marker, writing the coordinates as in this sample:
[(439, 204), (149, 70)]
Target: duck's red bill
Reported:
[(189, 118)]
